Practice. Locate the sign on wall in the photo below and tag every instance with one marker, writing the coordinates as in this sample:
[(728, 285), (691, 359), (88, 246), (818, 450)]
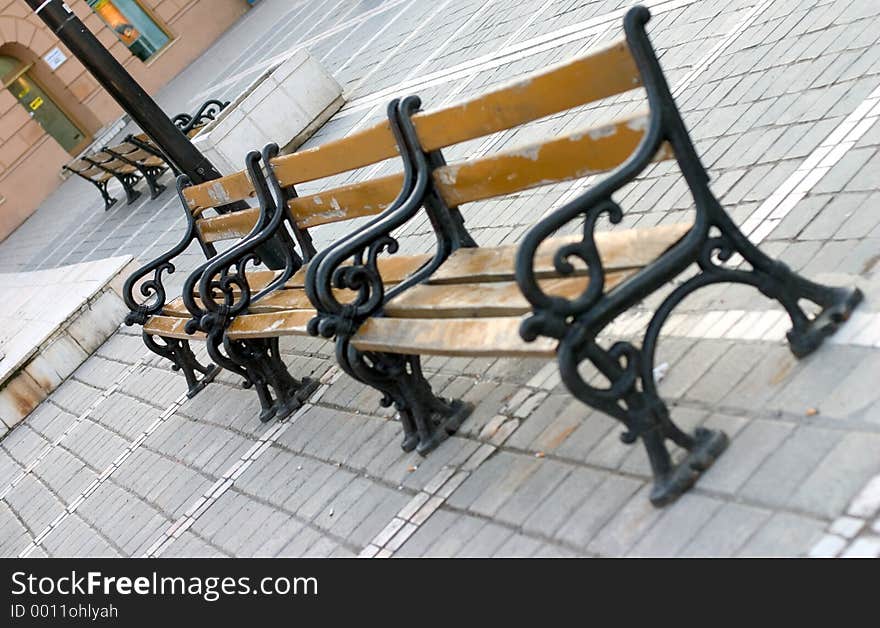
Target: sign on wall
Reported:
[(55, 57)]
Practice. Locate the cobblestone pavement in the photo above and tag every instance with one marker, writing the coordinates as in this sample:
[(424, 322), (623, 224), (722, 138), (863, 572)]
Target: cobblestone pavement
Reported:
[(783, 100)]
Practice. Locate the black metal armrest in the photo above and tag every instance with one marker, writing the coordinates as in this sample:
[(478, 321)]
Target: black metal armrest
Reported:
[(553, 314), (352, 261), (223, 286), (152, 289)]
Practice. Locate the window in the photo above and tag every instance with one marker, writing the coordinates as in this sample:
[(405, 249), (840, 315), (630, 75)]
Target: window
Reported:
[(39, 105), (132, 25)]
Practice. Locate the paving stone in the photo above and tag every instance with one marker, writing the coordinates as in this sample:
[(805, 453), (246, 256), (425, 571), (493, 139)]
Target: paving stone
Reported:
[(556, 509), (427, 535), (299, 546), (379, 516), (843, 471), (536, 488), (867, 503), (784, 534), (865, 547), (455, 537), (505, 485), (692, 366), (486, 542), (758, 441), (777, 478), (829, 547), (677, 526), (725, 373), (327, 491), (518, 546), (597, 509), (727, 531), (275, 541)]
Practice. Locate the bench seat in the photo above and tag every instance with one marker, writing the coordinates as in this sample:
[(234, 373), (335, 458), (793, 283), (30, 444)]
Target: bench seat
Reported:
[(470, 306)]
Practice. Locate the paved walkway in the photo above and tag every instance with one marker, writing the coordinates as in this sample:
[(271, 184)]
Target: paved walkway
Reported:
[(783, 99)]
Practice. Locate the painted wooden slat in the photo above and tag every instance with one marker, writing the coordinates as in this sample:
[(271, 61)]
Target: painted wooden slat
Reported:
[(228, 226), (488, 299), (619, 250), (176, 308), (599, 74), (366, 198), (222, 191), (561, 159), (363, 148), (464, 337), (286, 323), (170, 327)]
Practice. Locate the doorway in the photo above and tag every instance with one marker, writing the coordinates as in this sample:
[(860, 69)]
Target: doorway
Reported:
[(40, 106)]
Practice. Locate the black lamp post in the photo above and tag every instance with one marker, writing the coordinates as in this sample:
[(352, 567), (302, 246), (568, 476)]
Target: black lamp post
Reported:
[(124, 89), (139, 105)]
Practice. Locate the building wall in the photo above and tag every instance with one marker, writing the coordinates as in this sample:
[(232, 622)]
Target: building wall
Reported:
[(30, 160)]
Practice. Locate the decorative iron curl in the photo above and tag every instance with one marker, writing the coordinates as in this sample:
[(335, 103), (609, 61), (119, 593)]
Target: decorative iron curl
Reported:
[(222, 282), (553, 313), (153, 289), (207, 111), (352, 263)]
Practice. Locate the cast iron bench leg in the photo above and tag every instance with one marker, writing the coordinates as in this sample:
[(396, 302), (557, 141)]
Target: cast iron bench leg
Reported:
[(427, 419), (184, 360)]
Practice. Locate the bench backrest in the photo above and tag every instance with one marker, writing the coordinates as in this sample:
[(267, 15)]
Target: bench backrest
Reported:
[(368, 147), (132, 152), (110, 162), (574, 155), (85, 169), (600, 74)]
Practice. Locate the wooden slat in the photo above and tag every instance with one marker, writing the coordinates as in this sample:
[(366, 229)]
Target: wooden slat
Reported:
[(276, 301), (562, 159), (366, 198), (357, 150), (599, 74), (619, 250), (479, 300), (286, 323), (603, 73), (176, 308), (228, 226), (465, 337), (392, 270), (228, 189), (344, 203), (170, 327)]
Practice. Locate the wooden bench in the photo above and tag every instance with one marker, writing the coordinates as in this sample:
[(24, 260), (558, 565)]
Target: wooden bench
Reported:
[(550, 295), (147, 164), (145, 294), (94, 174), (170, 324), (189, 124), (137, 157)]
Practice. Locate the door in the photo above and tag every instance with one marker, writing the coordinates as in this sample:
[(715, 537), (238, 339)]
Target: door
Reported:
[(49, 116)]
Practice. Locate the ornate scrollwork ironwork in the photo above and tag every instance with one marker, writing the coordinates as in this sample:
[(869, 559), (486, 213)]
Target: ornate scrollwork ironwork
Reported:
[(352, 263), (223, 287), (153, 290), (427, 419), (207, 111)]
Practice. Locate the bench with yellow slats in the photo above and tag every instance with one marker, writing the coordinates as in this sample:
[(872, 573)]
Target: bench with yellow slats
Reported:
[(174, 321), (549, 295)]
